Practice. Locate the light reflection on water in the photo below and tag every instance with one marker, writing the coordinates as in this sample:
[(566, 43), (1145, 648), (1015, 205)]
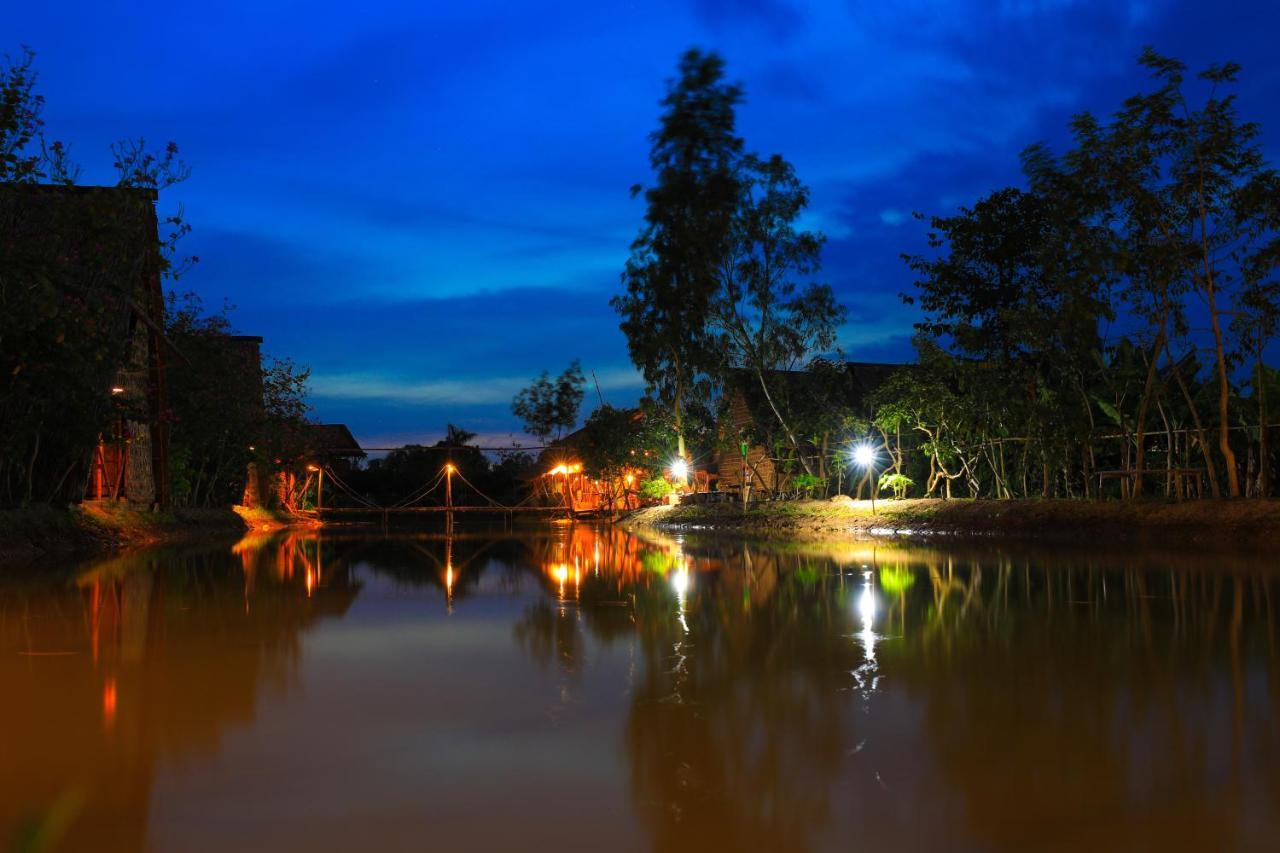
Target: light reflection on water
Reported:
[(581, 688)]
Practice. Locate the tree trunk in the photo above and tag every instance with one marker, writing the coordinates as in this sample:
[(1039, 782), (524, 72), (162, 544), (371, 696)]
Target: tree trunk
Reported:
[(1215, 322), (795, 445), (1210, 469), (1147, 390), (1169, 486), (1264, 459), (1224, 400), (678, 414)]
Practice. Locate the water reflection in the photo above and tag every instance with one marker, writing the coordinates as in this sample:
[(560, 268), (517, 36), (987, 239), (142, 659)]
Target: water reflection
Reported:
[(128, 663), (689, 693)]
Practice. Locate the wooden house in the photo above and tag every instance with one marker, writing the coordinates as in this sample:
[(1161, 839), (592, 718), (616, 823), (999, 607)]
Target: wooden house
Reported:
[(741, 458), (332, 445), (563, 481), (98, 249), (320, 447)]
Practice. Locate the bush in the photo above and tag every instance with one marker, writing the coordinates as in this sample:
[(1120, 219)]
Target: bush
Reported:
[(897, 483), (656, 489), (809, 483)]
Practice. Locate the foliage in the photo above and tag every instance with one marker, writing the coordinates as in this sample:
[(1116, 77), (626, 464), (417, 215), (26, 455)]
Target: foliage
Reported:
[(1193, 204), (809, 484), (765, 320), (1163, 220), (656, 488), (717, 285), (614, 442), (549, 407), (20, 124), (897, 483), (405, 472), (670, 277)]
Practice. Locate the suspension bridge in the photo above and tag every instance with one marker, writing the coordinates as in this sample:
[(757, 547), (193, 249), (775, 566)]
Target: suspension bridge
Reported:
[(435, 497)]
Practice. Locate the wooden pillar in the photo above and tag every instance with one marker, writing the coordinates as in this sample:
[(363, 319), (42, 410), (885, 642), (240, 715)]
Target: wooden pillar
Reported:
[(99, 470), (448, 498)]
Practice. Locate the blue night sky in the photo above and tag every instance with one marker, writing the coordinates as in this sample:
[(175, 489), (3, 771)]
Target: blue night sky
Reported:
[(428, 203)]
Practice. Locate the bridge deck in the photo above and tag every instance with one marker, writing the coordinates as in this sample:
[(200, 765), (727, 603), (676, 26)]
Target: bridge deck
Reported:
[(438, 509)]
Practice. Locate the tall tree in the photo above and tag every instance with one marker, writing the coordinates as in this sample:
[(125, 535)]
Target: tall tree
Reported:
[(1018, 288), (765, 317), (1185, 181), (671, 277), (549, 407)]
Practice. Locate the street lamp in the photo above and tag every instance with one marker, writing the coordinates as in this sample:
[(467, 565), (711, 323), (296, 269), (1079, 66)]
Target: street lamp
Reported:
[(680, 470), (864, 456)]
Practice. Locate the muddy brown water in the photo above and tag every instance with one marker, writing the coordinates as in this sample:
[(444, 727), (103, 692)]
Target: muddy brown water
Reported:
[(579, 688)]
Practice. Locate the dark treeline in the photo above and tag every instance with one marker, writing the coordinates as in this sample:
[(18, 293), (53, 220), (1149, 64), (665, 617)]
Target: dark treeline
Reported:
[(1161, 222), (1106, 322), (405, 474)]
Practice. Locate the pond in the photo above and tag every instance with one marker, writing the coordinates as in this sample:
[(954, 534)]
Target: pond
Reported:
[(580, 688)]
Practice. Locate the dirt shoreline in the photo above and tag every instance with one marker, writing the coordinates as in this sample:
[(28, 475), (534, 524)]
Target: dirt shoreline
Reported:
[(1241, 522), (45, 533)]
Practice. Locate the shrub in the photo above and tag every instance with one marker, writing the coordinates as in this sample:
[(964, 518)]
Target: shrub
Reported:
[(656, 489), (896, 483), (809, 483)]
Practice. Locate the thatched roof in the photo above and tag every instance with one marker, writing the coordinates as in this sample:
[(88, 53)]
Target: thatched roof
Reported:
[(332, 440)]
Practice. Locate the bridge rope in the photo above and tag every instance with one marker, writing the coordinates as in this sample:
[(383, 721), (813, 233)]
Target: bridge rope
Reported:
[(421, 493), (491, 501), (347, 490)]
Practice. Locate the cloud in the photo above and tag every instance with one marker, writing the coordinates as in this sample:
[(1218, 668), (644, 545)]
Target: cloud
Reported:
[(776, 18), (478, 391), (364, 386)]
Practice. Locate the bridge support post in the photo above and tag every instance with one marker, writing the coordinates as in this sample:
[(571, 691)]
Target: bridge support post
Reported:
[(448, 498)]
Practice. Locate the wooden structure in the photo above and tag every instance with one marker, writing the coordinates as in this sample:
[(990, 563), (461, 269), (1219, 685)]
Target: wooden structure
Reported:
[(1185, 482), (743, 465), (580, 494), (325, 447), (332, 445), (100, 246), (565, 483)]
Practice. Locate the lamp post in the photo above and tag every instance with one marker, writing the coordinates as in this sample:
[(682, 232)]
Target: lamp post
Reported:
[(319, 472), (864, 456), (680, 470)]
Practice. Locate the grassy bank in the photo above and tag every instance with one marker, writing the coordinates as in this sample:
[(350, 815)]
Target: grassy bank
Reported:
[(1254, 521), (263, 520), (42, 532)]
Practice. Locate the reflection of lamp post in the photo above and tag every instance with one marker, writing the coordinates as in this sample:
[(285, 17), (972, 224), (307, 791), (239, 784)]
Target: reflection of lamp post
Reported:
[(864, 456)]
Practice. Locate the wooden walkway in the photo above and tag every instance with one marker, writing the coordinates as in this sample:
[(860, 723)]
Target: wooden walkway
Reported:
[(440, 510)]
